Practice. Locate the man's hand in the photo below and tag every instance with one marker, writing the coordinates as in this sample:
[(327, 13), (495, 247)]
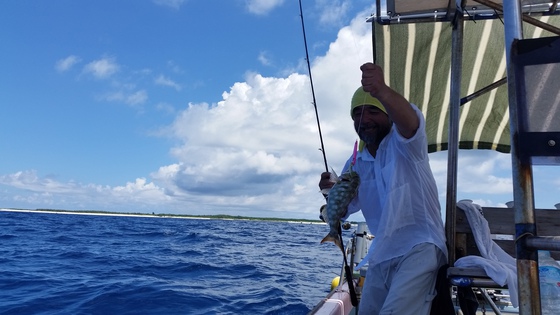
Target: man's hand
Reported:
[(325, 182), (373, 80), (398, 108)]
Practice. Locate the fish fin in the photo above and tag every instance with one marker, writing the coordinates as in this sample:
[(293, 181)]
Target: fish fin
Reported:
[(323, 214), (334, 177), (333, 238)]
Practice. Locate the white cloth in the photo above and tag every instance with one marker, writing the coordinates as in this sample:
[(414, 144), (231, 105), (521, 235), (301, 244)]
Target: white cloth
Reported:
[(498, 264), (403, 285), (398, 196)]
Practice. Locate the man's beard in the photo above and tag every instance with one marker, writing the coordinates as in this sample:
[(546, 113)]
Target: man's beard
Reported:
[(372, 138), (368, 138)]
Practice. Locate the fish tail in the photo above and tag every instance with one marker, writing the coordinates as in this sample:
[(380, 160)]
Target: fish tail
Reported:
[(335, 238)]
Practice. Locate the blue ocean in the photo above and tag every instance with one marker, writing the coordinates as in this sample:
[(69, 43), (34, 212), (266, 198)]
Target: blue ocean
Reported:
[(97, 264)]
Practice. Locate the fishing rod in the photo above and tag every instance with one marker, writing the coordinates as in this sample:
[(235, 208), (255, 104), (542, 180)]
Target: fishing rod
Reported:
[(313, 90), (347, 269), (348, 272)]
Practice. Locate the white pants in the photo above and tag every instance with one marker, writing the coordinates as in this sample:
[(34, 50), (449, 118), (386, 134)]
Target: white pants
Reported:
[(403, 285)]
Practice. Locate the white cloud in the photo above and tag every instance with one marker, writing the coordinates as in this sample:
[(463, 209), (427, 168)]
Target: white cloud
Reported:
[(130, 98), (482, 174), (262, 7), (257, 148), (174, 66), (175, 4), (259, 145), (332, 12), (137, 98), (67, 63), (165, 107), (162, 80), (264, 59), (136, 196), (102, 68)]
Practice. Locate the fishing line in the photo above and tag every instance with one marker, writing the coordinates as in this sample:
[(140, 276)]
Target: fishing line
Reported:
[(373, 41), (313, 90), (374, 55), (348, 271)]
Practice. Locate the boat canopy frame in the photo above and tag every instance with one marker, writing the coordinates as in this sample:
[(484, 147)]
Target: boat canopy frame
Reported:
[(407, 19)]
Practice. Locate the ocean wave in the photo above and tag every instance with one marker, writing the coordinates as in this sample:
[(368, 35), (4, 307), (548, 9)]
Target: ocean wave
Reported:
[(126, 265)]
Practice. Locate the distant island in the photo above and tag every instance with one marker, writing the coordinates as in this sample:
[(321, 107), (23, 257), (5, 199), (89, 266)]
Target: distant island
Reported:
[(164, 215)]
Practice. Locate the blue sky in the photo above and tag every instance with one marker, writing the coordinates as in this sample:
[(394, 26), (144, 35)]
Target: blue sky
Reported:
[(192, 107)]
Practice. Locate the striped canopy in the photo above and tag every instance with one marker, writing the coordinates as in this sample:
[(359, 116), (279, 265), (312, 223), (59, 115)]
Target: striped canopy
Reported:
[(416, 59)]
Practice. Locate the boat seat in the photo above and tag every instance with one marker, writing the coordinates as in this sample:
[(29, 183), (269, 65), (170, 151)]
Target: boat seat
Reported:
[(471, 277), (502, 228)]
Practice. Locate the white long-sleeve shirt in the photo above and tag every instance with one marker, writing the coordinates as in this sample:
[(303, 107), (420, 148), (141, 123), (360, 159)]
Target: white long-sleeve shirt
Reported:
[(398, 195)]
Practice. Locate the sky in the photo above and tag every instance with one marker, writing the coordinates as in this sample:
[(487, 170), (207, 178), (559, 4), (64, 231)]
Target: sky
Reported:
[(194, 107)]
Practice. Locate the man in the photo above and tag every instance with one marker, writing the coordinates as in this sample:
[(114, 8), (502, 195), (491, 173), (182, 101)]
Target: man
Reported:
[(398, 198)]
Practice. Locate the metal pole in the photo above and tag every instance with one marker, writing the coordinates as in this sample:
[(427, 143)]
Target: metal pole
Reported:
[(526, 18), (513, 27), (453, 136), (522, 176), (551, 243)]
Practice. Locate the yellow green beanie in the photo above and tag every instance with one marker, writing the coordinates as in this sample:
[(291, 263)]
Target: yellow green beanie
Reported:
[(362, 97)]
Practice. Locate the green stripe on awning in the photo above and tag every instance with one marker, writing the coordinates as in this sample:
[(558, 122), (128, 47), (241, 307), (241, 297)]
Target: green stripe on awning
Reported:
[(416, 59)]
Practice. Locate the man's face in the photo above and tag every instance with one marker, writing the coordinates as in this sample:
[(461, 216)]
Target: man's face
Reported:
[(371, 124)]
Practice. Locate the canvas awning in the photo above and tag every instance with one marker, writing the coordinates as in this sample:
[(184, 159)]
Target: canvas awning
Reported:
[(416, 58), (418, 62)]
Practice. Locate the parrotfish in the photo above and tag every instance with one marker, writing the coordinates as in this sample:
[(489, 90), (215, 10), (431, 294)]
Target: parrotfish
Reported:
[(339, 197)]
